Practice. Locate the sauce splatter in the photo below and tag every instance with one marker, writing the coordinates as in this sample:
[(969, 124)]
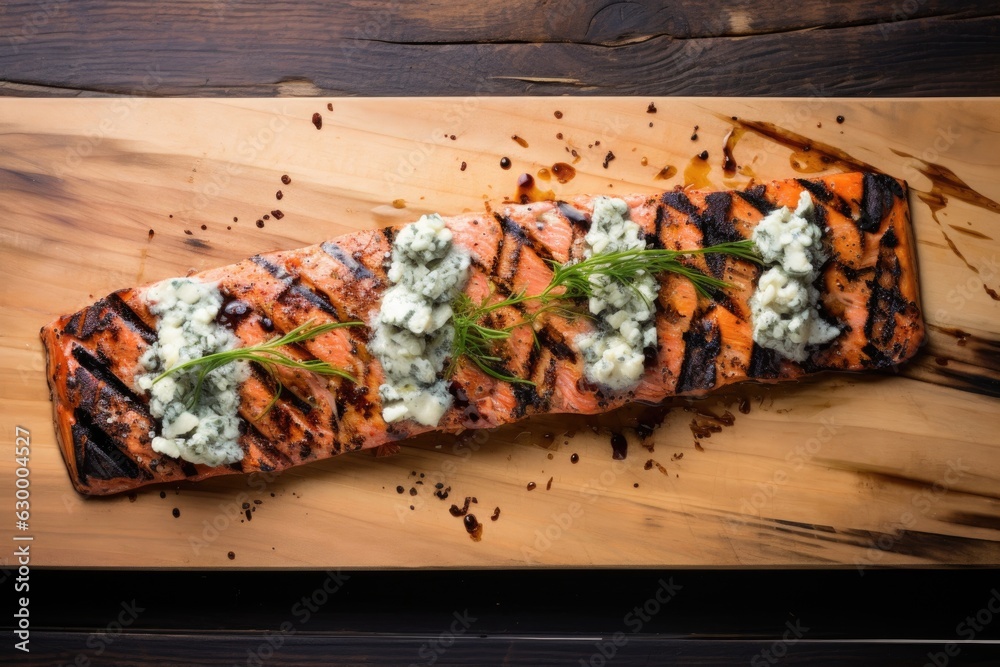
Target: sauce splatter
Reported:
[(563, 172), (520, 141), (317, 120), (505, 163)]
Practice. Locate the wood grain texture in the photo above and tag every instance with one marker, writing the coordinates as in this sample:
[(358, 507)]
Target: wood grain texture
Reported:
[(365, 47), (852, 470)]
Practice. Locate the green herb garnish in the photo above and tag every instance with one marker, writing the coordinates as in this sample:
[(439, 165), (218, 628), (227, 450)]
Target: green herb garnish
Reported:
[(268, 355), (572, 281)]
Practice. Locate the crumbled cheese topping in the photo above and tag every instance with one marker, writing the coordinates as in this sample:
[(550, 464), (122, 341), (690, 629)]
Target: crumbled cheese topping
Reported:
[(614, 352), (207, 432), (413, 336), (784, 306)]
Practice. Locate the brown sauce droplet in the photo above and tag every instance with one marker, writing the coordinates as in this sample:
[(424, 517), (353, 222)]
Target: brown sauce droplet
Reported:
[(151, 233), (696, 173), (574, 458), (651, 108), (744, 405), (496, 514), (505, 163), (473, 527), (279, 194), (399, 203), (231, 555), (462, 168), (840, 119), (607, 159), (260, 224), (807, 161), (520, 141), (563, 172), (694, 137), (286, 179), (163, 494), (329, 106), (558, 114), (728, 161), (667, 172), (317, 120), (559, 135), (941, 361), (235, 219), (188, 232), (548, 485), (619, 447), (527, 192), (703, 155), (400, 489), (278, 215), (531, 486), (176, 512), (442, 494), (644, 161), (544, 174)]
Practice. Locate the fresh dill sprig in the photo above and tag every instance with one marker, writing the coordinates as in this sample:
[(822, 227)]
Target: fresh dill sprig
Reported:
[(572, 281), (268, 355)]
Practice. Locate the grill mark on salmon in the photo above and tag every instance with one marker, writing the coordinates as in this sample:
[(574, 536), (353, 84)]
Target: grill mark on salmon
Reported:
[(755, 196), (868, 287), (130, 317), (112, 383), (879, 194), (358, 270), (702, 343), (98, 456)]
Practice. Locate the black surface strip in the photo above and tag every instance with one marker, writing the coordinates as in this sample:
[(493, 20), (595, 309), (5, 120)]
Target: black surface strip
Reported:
[(846, 603)]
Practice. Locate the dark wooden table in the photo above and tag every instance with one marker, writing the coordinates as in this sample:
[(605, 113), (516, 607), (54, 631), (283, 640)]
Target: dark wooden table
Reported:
[(576, 47)]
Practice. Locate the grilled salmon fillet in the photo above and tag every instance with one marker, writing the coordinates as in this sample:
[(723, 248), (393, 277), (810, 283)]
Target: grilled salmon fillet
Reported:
[(869, 286)]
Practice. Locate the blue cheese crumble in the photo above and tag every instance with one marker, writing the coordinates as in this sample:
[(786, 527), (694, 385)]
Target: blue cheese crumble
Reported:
[(413, 332), (784, 306), (613, 353), (207, 432)]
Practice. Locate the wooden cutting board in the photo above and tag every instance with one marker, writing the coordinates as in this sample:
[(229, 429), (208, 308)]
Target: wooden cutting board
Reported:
[(848, 470)]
